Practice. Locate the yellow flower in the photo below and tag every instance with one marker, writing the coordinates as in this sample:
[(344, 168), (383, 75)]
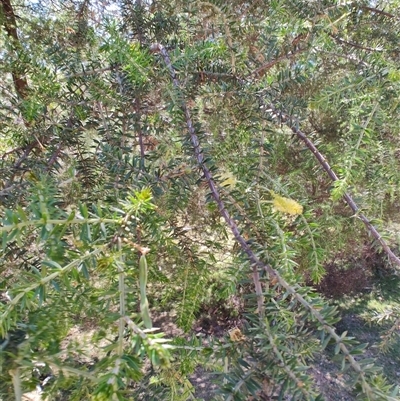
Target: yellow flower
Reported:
[(236, 335), (286, 205), (228, 180)]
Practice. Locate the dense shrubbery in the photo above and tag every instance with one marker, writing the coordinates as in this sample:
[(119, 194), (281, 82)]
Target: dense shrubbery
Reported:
[(174, 156)]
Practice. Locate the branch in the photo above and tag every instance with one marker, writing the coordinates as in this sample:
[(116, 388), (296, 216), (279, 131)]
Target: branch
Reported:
[(10, 152), (17, 164), (377, 11), (10, 25), (86, 73), (28, 150), (366, 388), (16, 380), (42, 222), (256, 263), (54, 157), (292, 124), (23, 292), (284, 365), (357, 367), (140, 133), (356, 45), (351, 57), (19, 79), (5, 191), (260, 71)]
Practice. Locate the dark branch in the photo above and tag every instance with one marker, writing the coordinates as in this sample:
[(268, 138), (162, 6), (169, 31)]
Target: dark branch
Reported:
[(54, 156), (10, 25), (356, 45), (377, 11), (140, 133), (260, 71), (293, 124), (255, 262)]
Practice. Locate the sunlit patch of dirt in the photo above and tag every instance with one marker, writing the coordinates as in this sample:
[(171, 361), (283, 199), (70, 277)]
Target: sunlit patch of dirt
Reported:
[(329, 380), (86, 350)]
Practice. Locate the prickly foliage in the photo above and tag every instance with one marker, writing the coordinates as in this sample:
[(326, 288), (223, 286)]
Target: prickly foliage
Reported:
[(172, 133)]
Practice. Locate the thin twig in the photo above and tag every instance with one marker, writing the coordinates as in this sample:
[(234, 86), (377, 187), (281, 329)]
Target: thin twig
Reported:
[(21, 294), (351, 57), (86, 73), (54, 156), (17, 164), (353, 44), (260, 71), (381, 12), (5, 191), (10, 152), (140, 133)]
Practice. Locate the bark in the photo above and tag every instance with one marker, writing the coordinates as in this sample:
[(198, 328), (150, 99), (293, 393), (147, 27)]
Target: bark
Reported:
[(10, 25)]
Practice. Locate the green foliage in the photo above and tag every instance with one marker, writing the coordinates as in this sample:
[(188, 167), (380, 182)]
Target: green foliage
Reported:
[(112, 157)]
